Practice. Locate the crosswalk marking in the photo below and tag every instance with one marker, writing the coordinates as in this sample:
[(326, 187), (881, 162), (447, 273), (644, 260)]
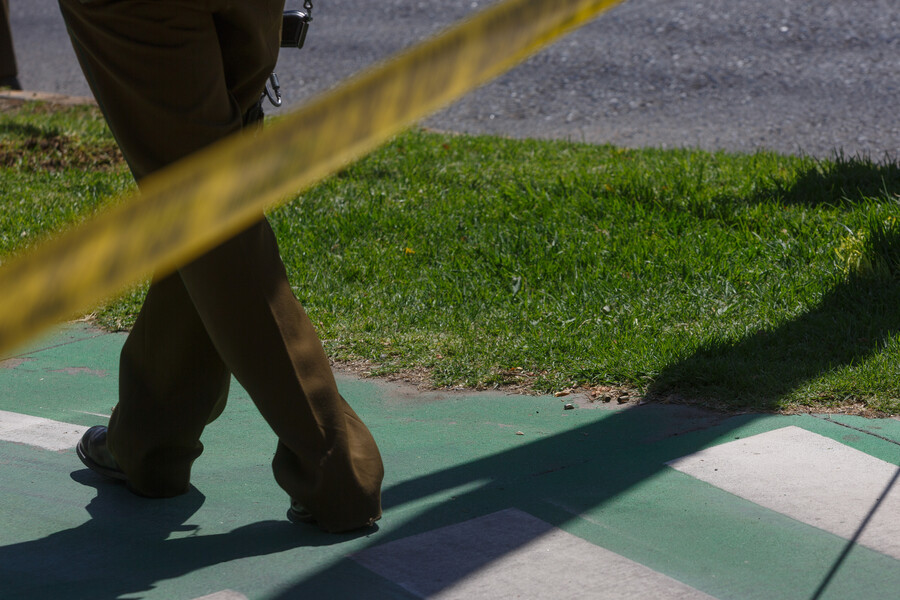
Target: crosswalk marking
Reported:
[(42, 433), (511, 554), (810, 478), (224, 595)]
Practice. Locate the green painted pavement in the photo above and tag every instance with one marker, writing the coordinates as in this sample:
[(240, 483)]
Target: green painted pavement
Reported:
[(595, 472)]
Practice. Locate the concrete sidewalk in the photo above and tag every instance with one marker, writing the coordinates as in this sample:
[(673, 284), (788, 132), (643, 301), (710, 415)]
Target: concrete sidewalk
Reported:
[(487, 495)]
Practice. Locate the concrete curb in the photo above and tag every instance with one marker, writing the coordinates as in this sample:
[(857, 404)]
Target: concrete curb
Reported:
[(59, 99)]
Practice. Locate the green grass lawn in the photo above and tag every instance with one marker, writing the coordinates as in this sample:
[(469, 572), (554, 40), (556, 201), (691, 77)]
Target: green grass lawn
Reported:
[(746, 282)]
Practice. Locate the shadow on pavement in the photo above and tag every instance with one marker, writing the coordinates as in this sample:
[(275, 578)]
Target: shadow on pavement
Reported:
[(130, 543), (588, 465)]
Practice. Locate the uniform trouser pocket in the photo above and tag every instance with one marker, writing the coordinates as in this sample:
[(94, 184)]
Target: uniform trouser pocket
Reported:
[(173, 76)]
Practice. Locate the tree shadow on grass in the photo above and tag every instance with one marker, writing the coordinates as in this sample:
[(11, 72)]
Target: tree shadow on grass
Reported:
[(842, 181), (852, 323), (849, 325)]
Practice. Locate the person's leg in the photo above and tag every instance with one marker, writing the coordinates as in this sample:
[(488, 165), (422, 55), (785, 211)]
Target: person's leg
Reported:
[(192, 84), (326, 459), (8, 70), (137, 56), (155, 68), (172, 382)]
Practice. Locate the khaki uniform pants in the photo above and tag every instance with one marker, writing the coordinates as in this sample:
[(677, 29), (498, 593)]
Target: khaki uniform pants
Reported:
[(171, 77), (7, 52)]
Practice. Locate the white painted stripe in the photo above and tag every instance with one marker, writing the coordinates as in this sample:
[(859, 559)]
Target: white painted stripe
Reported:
[(223, 595), (511, 554), (35, 431), (808, 477), (93, 414)]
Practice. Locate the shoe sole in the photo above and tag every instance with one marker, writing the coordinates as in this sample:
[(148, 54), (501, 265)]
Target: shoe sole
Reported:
[(305, 517)]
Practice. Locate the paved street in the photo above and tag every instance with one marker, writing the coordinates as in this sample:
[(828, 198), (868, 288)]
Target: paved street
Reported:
[(796, 76)]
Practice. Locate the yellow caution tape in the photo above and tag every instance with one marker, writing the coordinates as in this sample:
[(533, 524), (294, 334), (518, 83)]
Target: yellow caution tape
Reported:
[(190, 207)]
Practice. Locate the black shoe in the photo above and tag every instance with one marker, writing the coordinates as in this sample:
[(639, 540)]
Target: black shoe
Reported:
[(297, 513), (95, 455)]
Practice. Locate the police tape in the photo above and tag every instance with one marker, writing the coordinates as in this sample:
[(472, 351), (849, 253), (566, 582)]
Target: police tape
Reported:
[(191, 206)]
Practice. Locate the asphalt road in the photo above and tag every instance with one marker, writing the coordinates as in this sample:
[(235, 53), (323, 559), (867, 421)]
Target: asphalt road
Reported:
[(795, 76)]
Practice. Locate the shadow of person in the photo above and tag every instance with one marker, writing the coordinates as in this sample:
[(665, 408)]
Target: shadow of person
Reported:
[(130, 543)]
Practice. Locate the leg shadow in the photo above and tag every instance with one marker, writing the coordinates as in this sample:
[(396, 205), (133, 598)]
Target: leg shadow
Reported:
[(131, 543)]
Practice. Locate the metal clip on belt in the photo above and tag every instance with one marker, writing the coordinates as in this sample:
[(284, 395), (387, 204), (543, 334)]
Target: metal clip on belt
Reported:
[(294, 25)]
